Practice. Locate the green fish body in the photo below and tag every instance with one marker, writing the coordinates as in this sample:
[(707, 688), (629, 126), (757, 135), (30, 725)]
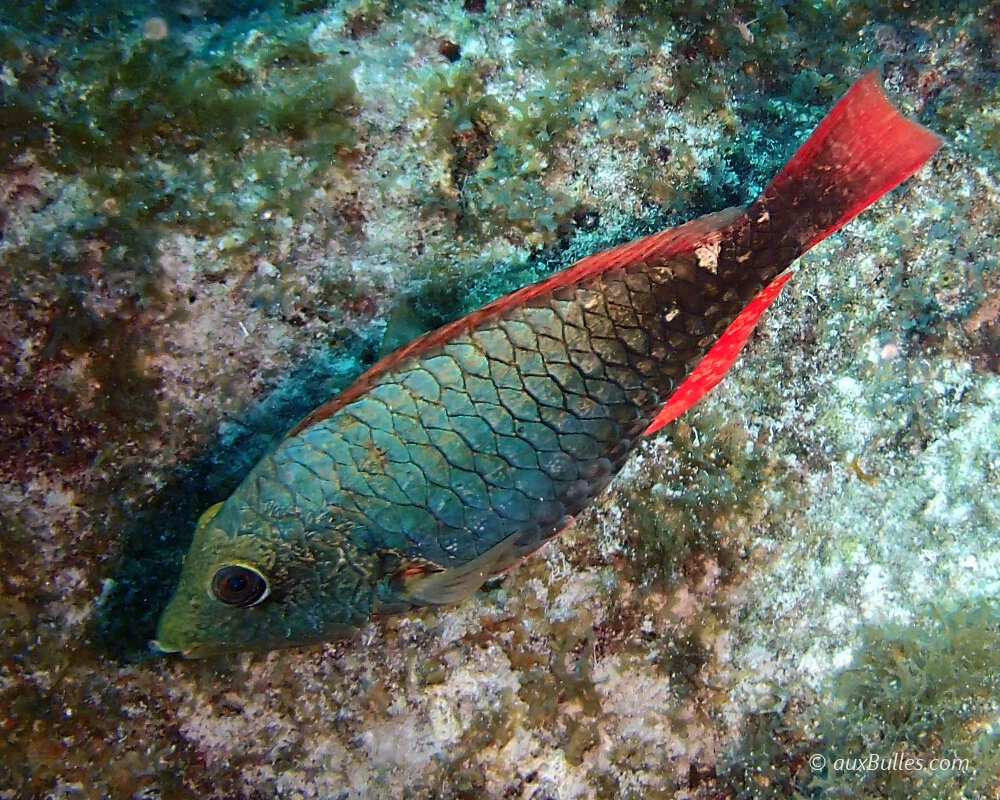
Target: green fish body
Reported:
[(461, 453)]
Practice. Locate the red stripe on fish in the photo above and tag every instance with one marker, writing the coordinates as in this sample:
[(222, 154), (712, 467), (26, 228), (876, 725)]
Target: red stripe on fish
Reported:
[(658, 246), (713, 367)]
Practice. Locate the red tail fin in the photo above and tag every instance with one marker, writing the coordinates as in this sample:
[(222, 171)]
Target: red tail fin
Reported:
[(863, 148)]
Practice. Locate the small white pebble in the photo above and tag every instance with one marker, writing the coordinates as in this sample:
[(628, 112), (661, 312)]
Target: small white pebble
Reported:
[(155, 29), (889, 350)]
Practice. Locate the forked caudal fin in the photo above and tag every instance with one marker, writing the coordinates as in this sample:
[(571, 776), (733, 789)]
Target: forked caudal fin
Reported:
[(862, 149)]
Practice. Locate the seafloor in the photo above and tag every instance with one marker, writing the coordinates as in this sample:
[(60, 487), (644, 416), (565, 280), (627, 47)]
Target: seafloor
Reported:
[(209, 213)]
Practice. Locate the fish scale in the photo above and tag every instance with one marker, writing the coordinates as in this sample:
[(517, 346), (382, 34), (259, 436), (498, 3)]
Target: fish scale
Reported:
[(459, 454), (601, 382)]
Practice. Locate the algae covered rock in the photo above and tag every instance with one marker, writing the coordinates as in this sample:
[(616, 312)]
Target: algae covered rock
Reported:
[(209, 213)]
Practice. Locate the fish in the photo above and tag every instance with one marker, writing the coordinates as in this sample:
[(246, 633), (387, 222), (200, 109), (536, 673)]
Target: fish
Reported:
[(460, 454)]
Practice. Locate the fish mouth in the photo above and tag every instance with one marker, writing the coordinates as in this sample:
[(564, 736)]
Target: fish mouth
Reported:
[(194, 651), (156, 646), (172, 635)]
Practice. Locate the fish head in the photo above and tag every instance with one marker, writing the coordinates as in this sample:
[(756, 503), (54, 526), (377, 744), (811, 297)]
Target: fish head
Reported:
[(249, 583)]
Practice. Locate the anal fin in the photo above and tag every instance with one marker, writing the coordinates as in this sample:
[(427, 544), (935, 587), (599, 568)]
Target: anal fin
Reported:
[(720, 358)]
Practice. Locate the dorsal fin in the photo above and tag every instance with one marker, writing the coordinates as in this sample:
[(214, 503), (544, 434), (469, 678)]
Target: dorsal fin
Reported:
[(657, 247), (720, 358)]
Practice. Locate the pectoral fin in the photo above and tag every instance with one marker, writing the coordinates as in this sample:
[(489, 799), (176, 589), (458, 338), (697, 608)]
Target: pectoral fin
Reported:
[(418, 582)]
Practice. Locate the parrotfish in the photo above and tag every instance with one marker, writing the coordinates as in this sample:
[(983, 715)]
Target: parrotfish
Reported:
[(461, 453)]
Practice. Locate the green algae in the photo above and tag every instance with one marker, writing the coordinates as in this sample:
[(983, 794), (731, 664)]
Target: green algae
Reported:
[(922, 691), (499, 150), (148, 122), (202, 135), (702, 499), (928, 690)]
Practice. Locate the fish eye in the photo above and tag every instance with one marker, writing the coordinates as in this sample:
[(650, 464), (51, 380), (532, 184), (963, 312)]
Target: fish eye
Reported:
[(237, 585)]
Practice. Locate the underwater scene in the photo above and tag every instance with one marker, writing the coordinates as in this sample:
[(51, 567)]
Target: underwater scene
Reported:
[(533, 554)]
